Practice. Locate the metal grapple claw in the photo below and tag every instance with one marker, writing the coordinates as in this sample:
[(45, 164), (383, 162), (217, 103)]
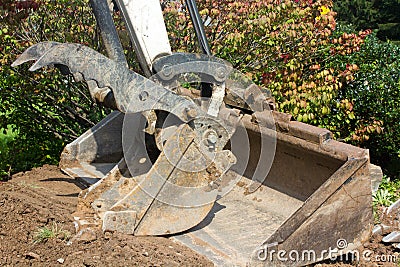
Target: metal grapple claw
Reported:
[(131, 91), (146, 194)]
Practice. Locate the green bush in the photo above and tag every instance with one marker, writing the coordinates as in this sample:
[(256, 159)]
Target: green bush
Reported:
[(45, 108), (371, 96), (6, 135), (375, 94), (383, 15), (388, 192)]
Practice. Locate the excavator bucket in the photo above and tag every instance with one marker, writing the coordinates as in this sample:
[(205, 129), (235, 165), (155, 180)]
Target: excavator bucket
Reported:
[(316, 194), (315, 199), (226, 174)]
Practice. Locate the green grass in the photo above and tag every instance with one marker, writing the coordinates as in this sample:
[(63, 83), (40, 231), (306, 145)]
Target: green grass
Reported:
[(45, 233), (6, 135), (34, 186), (388, 192)]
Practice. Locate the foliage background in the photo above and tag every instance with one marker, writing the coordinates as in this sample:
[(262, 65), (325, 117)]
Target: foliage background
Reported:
[(317, 70), (375, 94), (382, 15), (42, 110), (322, 73)]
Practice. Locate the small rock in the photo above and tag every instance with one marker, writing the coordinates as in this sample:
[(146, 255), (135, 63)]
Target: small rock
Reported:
[(60, 260), (107, 235), (395, 206), (32, 255), (393, 237), (27, 211), (76, 253), (376, 177), (146, 254), (76, 225), (380, 229), (86, 235), (43, 219)]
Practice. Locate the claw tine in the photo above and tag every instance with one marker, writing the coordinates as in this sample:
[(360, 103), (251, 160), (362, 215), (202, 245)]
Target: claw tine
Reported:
[(45, 60), (59, 56), (34, 52), (83, 61), (35, 67)]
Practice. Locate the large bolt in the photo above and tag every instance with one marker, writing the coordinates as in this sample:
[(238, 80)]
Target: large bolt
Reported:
[(191, 113), (167, 70), (221, 72), (143, 96), (212, 138)]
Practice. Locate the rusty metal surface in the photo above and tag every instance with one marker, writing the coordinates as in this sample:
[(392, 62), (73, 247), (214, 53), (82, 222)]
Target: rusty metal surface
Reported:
[(101, 144), (121, 221), (239, 223), (131, 204)]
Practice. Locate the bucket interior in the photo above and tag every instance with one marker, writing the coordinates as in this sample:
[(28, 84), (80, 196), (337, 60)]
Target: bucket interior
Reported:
[(240, 222)]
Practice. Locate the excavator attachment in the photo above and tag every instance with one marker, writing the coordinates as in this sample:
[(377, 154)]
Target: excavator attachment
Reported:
[(223, 173), (190, 157)]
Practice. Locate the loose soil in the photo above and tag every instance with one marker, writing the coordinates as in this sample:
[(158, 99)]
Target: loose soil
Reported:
[(45, 197)]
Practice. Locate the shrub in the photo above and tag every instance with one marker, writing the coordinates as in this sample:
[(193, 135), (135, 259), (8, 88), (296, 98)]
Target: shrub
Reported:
[(45, 109), (375, 98), (382, 15), (5, 137), (45, 233)]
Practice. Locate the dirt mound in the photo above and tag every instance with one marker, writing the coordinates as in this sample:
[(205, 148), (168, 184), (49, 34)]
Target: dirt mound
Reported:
[(41, 202)]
